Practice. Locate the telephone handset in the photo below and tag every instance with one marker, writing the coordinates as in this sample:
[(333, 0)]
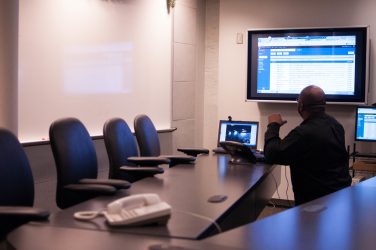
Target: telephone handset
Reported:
[(138, 209), (134, 210)]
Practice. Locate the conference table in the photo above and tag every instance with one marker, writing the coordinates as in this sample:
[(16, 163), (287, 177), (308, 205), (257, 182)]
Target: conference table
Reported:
[(187, 188), (342, 220)]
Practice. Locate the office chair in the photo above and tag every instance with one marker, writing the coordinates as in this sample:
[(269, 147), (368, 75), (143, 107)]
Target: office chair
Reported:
[(76, 164), (122, 153), (16, 186), (148, 141)]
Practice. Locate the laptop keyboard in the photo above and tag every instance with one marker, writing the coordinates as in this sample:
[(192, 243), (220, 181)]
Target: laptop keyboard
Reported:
[(258, 154)]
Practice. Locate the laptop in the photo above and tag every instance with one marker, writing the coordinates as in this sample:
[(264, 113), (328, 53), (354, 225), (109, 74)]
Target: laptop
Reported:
[(245, 132)]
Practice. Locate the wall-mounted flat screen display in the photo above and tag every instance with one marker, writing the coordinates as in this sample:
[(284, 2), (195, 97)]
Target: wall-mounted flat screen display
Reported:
[(281, 62)]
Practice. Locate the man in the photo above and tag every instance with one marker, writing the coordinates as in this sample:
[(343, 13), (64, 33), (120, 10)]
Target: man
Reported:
[(315, 150)]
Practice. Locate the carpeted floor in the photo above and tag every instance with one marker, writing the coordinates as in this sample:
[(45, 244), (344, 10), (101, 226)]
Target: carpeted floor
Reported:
[(275, 206)]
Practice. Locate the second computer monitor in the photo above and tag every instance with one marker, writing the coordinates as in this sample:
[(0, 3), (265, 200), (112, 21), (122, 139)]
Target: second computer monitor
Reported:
[(365, 128)]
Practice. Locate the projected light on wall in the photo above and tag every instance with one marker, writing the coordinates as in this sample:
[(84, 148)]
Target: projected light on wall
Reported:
[(98, 69)]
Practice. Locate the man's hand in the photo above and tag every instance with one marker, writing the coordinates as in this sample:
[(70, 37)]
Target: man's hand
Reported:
[(276, 118)]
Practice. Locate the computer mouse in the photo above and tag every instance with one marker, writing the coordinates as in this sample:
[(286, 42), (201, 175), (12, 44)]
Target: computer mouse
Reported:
[(217, 198)]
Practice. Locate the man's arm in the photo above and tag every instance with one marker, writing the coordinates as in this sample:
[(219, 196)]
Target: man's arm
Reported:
[(272, 142), (281, 151)]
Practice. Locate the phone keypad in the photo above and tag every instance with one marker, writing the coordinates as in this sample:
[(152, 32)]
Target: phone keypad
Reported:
[(128, 214)]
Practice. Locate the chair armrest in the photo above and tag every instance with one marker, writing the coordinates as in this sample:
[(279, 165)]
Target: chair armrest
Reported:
[(179, 159), (24, 213), (91, 188), (118, 184), (148, 160), (143, 170), (194, 151)]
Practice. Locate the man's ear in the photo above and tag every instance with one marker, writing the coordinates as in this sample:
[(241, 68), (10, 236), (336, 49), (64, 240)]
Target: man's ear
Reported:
[(300, 107)]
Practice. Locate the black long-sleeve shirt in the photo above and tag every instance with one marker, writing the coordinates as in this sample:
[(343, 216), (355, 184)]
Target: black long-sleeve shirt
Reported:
[(316, 153)]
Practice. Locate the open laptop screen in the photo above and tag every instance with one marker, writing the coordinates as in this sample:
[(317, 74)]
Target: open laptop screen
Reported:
[(241, 131), (365, 128)]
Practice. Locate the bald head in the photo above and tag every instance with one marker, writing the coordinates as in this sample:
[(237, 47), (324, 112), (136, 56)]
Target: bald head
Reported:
[(312, 99)]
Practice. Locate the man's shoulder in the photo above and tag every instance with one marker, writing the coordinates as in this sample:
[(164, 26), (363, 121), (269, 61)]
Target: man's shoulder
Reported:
[(333, 120), (319, 121), (322, 117)]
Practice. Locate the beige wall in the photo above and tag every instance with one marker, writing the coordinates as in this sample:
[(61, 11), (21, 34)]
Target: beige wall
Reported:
[(8, 64), (210, 102), (188, 72), (184, 78)]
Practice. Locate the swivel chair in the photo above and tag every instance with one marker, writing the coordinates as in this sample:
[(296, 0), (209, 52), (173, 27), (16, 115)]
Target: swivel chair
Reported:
[(148, 141), (76, 164), (16, 186), (122, 153)]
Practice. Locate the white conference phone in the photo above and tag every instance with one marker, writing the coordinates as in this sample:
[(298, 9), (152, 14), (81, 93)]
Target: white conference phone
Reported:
[(133, 210)]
